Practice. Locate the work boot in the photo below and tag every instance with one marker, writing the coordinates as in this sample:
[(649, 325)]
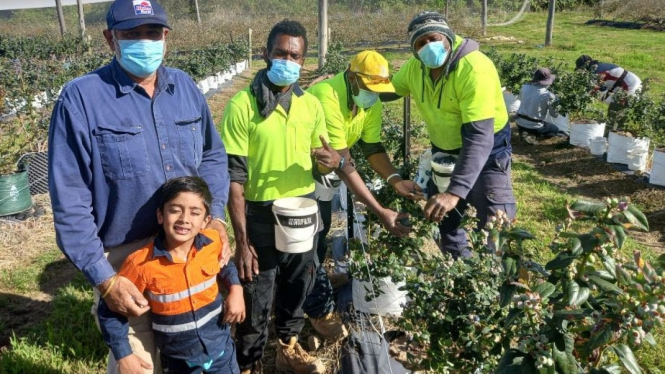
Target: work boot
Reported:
[(329, 326), (291, 356)]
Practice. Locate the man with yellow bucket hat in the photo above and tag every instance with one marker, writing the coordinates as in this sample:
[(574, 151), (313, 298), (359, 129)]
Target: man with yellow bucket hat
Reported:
[(353, 115)]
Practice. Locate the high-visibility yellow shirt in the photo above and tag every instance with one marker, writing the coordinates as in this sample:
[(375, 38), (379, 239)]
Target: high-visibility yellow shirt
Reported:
[(471, 92), (345, 129), (277, 147)]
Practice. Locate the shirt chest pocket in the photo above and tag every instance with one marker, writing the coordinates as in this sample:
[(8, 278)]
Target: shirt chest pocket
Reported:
[(190, 141), (123, 152), (299, 136)]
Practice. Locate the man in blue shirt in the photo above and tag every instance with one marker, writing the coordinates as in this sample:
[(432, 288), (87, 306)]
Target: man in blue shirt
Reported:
[(116, 135)]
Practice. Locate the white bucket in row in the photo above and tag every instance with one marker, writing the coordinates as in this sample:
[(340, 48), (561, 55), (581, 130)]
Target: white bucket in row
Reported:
[(637, 159), (560, 121), (512, 103), (598, 146), (619, 145), (657, 174), (296, 223), (582, 133)]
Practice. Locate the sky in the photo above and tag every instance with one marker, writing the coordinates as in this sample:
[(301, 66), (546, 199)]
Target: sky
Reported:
[(26, 4)]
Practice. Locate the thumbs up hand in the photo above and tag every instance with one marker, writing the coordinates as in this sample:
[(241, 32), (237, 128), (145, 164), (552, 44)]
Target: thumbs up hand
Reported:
[(326, 156)]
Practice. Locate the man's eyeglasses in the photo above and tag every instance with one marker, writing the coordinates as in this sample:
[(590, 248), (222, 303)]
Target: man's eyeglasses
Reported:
[(375, 78)]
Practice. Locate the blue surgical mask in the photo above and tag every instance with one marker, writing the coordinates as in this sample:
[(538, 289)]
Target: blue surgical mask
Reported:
[(141, 58), (365, 99), (433, 54), (283, 73)]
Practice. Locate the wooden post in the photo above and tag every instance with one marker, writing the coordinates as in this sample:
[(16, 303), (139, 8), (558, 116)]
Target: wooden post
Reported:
[(61, 17), (550, 23), (198, 15), (447, 7), (249, 57), (323, 32), (406, 132), (483, 16), (79, 4)]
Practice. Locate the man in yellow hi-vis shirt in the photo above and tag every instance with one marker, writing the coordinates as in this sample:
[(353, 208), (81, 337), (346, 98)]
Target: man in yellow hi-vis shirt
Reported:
[(353, 113), (457, 91)]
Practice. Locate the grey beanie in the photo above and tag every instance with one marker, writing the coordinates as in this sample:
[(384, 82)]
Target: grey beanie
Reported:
[(426, 22)]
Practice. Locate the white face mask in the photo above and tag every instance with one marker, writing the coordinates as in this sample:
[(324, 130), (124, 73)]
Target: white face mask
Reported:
[(365, 99)]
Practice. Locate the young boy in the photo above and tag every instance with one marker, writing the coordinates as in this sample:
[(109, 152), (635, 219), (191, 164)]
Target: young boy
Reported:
[(178, 274)]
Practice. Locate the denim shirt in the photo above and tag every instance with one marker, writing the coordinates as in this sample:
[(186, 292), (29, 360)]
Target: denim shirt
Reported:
[(110, 149)]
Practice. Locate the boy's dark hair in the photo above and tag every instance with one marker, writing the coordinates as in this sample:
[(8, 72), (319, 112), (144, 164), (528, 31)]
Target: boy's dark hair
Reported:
[(287, 27), (174, 187)]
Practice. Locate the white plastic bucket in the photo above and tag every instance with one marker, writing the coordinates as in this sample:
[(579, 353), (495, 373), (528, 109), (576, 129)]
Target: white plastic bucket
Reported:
[(582, 133), (212, 82), (203, 86), (637, 159), (619, 145), (442, 169), (512, 104), (560, 121), (657, 174), (296, 223), (391, 301), (330, 187), (598, 146)]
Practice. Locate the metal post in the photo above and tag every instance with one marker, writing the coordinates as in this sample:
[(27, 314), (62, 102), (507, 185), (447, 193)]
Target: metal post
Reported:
[(445, 12), (61, 17), (550, 23), (323, 32), (79, 4), (198, 15), (249, 57), (406, 131), (483, 20), (349, 214)]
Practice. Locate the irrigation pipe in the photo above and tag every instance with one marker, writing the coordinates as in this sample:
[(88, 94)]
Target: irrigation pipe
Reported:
[(517, 16)]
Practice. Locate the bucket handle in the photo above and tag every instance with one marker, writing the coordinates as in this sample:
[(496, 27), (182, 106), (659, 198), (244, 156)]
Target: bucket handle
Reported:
[(316, 230)]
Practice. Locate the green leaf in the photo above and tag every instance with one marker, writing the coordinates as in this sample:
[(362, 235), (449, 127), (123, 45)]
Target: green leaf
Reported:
[(588, 207), (571, 313), (544, 289), (650, 339), (589, 242), (509, 266), (506, 294), (623, 276), (575, 247), (536, 267), (510, 318), (627, 357), (639, 216), (582, 296), (628, 220), (572, 291), (599, 338), (605, 285), (610, 265), (618, 235), (561, 261), (518, 233), (565, 361)]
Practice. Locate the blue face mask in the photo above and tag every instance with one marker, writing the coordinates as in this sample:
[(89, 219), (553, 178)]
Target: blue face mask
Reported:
[(283, 73), (433, 54), (365, 99), (141, 58)]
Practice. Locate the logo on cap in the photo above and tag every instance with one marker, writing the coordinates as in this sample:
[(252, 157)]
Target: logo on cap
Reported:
[(142, 7)]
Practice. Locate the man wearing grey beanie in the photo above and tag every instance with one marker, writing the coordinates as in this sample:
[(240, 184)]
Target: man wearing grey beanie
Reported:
[(458, 94)]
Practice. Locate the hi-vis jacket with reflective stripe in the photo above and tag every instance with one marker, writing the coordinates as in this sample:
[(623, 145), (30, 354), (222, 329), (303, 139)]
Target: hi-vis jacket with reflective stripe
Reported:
[(184, 299)]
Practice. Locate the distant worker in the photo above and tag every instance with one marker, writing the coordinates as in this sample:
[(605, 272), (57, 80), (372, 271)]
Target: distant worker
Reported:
[(611, 77), (536, 103)]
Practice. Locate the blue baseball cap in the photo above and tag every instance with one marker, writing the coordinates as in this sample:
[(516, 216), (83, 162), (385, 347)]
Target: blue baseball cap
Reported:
[(128, 14)]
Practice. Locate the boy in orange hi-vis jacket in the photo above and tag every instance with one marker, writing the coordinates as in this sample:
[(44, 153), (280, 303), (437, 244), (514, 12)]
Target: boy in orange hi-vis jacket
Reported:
[(178, 273)]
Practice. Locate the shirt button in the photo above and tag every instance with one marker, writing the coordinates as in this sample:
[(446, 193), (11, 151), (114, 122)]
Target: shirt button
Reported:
[(193, 128), (163, 146), (168, 167)]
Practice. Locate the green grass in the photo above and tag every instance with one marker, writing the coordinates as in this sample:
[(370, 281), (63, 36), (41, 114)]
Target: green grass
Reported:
[(30, 277), (640, 51)]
